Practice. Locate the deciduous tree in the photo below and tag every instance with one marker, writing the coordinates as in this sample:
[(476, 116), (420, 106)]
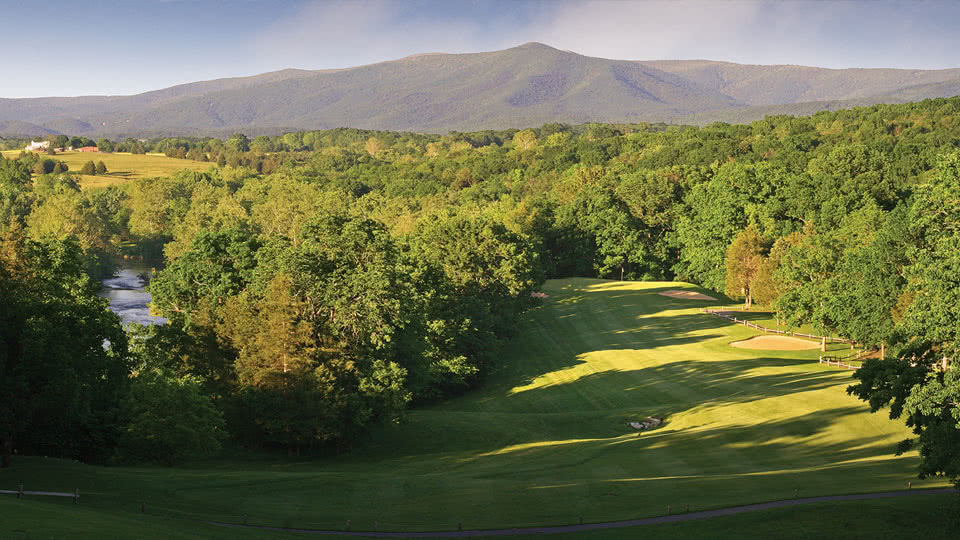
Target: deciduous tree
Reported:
[(745, 263)]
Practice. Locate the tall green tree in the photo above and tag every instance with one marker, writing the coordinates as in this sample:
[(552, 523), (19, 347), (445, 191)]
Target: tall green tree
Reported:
[(920, 382), (745, 264), (238, 142), (170, 420), (60, 386), (735, 196), (105, 145)]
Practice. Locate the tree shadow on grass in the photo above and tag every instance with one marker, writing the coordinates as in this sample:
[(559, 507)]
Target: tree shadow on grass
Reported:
[(733, 449), (733, 462), (556, 339), (547, 389), (600, 405), (673, 386)]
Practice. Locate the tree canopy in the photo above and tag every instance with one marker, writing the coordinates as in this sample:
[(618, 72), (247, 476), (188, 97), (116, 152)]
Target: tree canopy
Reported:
[(318, 283)]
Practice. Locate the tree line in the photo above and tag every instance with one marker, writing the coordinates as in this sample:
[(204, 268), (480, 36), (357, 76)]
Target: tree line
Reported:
[(318, 283)]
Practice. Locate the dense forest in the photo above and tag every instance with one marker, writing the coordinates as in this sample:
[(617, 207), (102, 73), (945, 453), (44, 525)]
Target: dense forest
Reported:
[(320, 283)]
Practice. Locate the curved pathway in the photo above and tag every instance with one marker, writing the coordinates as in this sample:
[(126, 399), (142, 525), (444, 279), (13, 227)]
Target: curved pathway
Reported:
[(673, 518)]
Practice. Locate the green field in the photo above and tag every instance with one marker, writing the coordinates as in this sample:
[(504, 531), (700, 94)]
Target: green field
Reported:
[(546, 441), (122, 167), (905, 518)]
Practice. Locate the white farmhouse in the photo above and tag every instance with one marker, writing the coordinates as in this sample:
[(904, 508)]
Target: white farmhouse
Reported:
[(34, 145)]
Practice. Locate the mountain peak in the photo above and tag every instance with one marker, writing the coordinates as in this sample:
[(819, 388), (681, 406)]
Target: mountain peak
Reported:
[(536, 45), (527, 85)]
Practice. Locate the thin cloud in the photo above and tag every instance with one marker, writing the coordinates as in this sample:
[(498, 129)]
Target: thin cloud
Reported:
[(815, 33), (345, 34)]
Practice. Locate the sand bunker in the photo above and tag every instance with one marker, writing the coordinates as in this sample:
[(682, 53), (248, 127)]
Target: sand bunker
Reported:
[(776, 343), (686, 295), (539, 295), (647, 423)]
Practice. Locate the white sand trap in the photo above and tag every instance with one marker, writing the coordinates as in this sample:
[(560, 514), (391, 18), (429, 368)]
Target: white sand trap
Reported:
[(686, 295), (776, 343), (647, 423)]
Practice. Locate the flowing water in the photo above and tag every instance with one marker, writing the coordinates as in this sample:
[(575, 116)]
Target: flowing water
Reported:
[(125, 291)]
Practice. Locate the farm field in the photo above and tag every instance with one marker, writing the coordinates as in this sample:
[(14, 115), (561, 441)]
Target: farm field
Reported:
[(547, 440), (122, 167)]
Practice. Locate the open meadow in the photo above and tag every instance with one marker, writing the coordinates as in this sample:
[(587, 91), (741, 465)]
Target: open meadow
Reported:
[(122, 167), (546, 440)]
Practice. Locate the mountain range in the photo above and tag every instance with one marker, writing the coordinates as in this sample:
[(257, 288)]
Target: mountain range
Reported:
[(524, 86)]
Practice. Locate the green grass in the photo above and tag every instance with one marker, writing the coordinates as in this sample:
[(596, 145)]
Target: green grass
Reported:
[(907, 518), (122, 167), (545, 440), (41, 518), (920, 517)]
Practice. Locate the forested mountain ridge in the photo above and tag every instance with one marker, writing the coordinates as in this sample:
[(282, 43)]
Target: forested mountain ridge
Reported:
[(785, 84), (532, 84)]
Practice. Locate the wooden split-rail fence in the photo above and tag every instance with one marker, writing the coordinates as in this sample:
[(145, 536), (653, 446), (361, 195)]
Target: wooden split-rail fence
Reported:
[(20, 492), (843, 362), (840, 362), (729, 316)]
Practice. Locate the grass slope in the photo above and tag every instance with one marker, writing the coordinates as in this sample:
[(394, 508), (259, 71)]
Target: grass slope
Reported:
[(546, 440), (918, 517)]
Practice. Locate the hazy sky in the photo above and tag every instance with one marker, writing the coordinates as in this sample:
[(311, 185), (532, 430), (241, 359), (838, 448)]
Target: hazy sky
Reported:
[(130, 46)]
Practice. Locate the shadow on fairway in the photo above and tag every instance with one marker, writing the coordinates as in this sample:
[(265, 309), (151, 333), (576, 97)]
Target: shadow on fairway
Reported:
[(759, 447), (555, 384), (585, 320), (672, 387), (544, 367)]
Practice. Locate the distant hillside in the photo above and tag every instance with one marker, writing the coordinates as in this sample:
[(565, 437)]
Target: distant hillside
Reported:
[(780, 85), (524, 86)]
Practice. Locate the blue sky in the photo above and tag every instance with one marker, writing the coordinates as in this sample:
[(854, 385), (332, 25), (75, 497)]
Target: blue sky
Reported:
[(130, 46)]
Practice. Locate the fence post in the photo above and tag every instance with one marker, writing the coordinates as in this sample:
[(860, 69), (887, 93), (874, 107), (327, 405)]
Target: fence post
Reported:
[(76, 495), (20, 492)]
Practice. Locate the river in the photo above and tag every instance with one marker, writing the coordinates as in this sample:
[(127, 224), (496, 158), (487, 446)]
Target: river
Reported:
[(125, 291)]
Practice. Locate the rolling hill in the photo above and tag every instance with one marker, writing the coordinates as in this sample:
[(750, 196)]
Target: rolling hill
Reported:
[(523, 86)]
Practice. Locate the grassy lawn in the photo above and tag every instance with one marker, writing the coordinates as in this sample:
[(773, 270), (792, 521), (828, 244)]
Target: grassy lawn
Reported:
[(546, 441), (906, 518), (122, 167)]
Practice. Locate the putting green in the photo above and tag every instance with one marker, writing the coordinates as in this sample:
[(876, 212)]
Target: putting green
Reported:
[(547, 439)]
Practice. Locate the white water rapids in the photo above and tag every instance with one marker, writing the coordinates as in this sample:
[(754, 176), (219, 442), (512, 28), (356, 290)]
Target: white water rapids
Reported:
[(128, 299)]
